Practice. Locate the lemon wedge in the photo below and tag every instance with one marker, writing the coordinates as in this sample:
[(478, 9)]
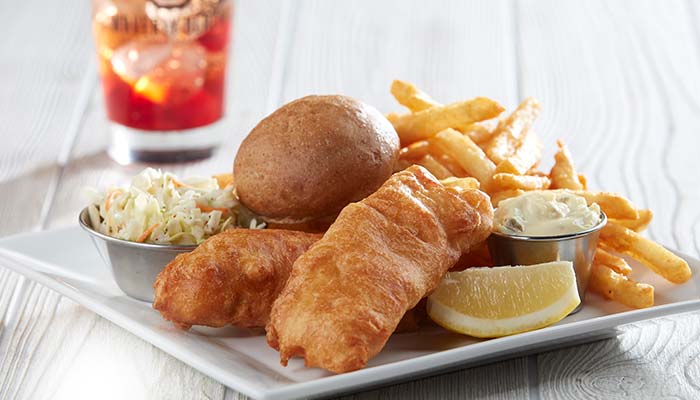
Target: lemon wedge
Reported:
[(501, 301)]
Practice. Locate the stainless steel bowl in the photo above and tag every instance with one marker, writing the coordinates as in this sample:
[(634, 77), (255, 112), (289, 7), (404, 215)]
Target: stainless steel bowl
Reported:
[(134, 265), (579, 248)]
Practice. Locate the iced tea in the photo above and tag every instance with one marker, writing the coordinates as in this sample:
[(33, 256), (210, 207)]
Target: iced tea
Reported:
[(156, 80)]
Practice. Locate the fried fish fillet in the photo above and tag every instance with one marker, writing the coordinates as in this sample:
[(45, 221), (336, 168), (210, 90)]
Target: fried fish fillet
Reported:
[(348, 292), (230, 279)]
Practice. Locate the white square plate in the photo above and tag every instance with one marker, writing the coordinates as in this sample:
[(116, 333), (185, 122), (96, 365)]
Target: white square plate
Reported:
[(66, 261)]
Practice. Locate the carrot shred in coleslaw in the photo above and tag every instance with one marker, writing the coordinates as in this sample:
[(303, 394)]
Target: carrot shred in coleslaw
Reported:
[(111, 196), (147, 233), (210, 209), (159, 208)]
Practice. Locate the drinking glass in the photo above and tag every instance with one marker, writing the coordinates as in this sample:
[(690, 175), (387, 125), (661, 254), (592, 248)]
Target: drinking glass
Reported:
[(162, 65)]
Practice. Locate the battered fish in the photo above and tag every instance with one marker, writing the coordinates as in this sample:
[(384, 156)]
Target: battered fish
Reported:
[(347, 294), (230, 279)]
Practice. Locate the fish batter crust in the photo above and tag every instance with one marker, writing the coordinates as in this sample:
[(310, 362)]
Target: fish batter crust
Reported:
[(230, 279), (348, 292)]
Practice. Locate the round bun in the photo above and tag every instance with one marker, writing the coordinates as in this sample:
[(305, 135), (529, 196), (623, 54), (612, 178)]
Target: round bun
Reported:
[(310, 158)]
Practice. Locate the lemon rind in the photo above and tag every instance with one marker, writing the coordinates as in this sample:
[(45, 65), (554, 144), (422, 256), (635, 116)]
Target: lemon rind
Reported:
[(458, 322)]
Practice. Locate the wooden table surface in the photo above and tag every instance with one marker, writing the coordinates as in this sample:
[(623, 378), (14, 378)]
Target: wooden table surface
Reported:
[(619, 82)]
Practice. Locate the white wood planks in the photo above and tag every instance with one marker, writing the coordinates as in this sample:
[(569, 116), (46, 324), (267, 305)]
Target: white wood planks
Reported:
[(454, 50), (618, 82), (498, 381), (42, 77), (652, 360), (50, 350)]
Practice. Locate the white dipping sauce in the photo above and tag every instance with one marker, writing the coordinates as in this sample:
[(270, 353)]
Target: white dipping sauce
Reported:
[(546, 213)]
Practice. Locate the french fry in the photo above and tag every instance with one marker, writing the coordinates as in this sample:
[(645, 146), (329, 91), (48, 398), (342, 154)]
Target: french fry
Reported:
[(416, 100), (451, 165), (478, 133), (409, 95), (653, 255), (584, 181), (617, 264), (617, 287), (224, 179), (392, 117), (525, 157), (466, 153), (503, 195), (427, 123), (533, 172), (614, 205), (461, 184), (637, 224), (510, 132), (434, 166), (415, 151), (505, 181), (563, 174)]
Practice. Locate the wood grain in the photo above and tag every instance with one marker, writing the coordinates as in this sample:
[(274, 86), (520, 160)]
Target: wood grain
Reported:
[(503, 380), (42, 85), (41, 104), (363, 45), (650, 360), (628, 111), (619, 82), (95, 357), (62, 350)]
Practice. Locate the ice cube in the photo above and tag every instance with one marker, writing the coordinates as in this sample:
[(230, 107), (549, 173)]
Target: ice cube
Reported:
[(139, 57), (162, 71)]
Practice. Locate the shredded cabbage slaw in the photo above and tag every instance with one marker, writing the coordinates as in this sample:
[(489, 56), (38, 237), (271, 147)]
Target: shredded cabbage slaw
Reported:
[(160, 209)]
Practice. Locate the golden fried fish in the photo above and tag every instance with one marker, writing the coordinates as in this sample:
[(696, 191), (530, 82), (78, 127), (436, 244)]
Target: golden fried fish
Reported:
[(230, 279), (382, 255)]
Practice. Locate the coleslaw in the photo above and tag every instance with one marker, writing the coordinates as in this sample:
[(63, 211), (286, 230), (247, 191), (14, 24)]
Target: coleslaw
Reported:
[(161, 209)]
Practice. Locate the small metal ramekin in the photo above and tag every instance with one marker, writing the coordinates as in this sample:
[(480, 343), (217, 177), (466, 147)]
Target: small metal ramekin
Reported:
[(134, 265), (579, 248)]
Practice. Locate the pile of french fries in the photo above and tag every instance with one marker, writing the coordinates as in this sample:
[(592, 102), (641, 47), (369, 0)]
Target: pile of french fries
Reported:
[(455, 143)]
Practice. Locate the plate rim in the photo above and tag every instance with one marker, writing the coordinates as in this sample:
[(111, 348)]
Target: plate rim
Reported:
[(423, 365)]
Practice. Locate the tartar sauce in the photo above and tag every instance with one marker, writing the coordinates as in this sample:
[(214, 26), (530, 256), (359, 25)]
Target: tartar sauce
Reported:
[(545, 213)]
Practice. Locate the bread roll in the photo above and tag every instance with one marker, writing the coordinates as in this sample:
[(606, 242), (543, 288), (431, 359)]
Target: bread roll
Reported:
[(310, 158)]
